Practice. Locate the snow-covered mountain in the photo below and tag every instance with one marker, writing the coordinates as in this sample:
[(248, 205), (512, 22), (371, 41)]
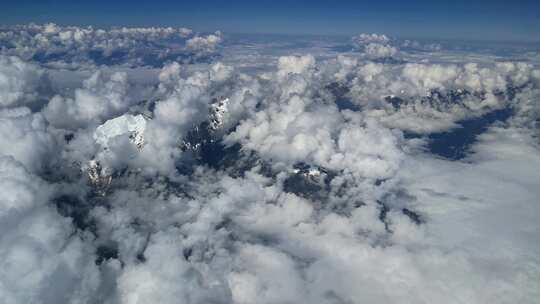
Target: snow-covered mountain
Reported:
[(100, 176), (134, 125)]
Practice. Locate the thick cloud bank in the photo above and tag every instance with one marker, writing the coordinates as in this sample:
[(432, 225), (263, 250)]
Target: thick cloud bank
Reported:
[(366, 177)]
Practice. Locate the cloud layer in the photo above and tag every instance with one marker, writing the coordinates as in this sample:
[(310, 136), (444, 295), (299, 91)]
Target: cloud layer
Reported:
[(312, 181), (73, 46)]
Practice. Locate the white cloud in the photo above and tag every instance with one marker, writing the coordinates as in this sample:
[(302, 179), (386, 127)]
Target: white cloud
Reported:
[(204, 44), (282, 195), (165, 277), (42, 260), (100, 98), (55, 45), (24, 136), (380, 51), (21, 83), (370, 38), (375, 46), (295, 65)]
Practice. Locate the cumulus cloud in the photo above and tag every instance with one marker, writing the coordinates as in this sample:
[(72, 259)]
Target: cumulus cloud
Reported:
[(100, 98), (375, 46), (427, 97), (58, 46), (22, 83), (42, 258), (24, 136), (295, 65), (370, 38), (314, 181), (204, 44), (380, 51)]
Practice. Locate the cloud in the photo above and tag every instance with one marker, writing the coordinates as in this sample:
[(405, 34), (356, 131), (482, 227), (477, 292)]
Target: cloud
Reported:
[(24, 136), (204, 44), (380, 51), (370, 38), (58, 46), (424, 97), (100, 98), (311, 181), (22, 83), (418, 46), (375, 46), (295, 65), (42, 258), (166, 282)]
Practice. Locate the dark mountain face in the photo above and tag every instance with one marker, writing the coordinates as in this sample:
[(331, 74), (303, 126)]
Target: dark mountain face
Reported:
[(454, 144)]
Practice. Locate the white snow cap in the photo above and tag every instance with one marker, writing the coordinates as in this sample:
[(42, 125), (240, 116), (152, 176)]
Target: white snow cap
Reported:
[(133, 124)]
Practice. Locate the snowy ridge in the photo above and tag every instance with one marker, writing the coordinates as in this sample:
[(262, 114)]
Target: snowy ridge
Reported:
[(217, 113), (134, 125), (100, 176)]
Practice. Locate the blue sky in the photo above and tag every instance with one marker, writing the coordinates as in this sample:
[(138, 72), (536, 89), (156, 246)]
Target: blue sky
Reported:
[(485, 20)]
